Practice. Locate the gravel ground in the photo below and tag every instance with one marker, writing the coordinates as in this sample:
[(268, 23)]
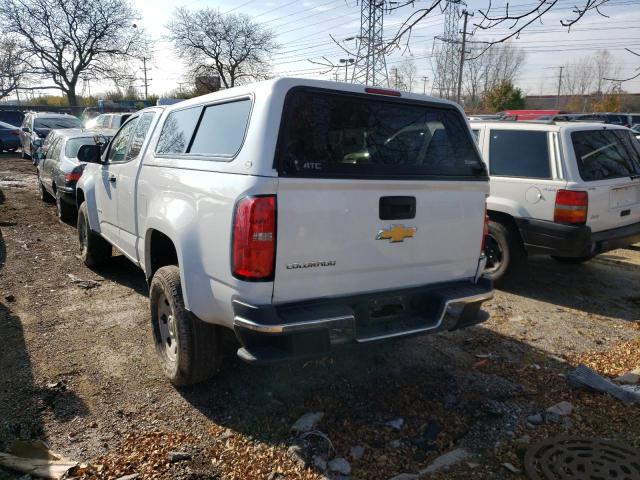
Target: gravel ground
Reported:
[(78, 370)]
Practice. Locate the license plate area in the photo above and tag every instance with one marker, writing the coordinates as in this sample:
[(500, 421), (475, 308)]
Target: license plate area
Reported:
[(625, 196), (397, 313)]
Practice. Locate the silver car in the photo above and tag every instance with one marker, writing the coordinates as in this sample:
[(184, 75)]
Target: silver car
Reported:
[(59, 168), (37, 125)]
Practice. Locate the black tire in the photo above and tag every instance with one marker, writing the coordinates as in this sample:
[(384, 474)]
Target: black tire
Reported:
[(572, 260), (24, 154), (94, 250), (66, 211), (189, 349), (505, 252), (43, 194)]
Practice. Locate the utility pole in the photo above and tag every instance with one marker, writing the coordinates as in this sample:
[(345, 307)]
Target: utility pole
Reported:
[(146, 82), (462, 52), (395, 76), (424, 84), (559, 86), (347, 62)]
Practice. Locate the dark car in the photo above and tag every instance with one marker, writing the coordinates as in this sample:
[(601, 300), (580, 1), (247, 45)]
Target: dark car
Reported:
[(9, 137), (59, 168), (37, 125), (12, 117)]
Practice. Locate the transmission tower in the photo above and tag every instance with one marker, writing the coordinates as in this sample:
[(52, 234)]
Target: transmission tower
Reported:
[(370, 67), (445, 55)]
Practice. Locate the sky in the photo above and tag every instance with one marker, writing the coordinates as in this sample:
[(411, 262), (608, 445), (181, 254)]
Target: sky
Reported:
[(303, 28)]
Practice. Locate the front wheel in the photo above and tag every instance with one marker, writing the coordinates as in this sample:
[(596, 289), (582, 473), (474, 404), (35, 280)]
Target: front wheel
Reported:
[(504, 251), (94, 250), (188, 348)]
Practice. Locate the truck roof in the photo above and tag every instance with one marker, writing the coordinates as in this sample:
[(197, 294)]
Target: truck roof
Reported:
[(267, 87), (551, 126)]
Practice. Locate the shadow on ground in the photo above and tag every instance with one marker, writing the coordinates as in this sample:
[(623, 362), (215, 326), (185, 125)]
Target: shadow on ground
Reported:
[(589, 287)]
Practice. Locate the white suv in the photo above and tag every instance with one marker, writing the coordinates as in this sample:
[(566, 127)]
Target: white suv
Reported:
[(301, 214), (569, 190)]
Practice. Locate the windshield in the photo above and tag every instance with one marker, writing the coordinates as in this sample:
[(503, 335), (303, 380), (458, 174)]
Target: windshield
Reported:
[(51, 123), (340, 135), (604, 154), (74, 144)]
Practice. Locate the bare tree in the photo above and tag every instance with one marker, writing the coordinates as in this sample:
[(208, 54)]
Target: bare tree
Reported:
[(407, 75), (12, 67), (487, 68), (67, 39), (492, 15), (232, 47)]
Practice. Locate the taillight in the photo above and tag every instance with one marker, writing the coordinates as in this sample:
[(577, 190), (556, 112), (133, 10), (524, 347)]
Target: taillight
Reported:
[(72, 176), (254, 238), (383, 91), (15, 133), (485, 230), (571, 207)]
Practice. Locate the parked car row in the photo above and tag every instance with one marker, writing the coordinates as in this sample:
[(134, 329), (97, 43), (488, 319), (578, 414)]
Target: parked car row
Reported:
[(304, 215)]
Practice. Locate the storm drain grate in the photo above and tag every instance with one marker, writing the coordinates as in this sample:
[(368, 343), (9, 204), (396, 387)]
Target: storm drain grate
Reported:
[(573, 458)]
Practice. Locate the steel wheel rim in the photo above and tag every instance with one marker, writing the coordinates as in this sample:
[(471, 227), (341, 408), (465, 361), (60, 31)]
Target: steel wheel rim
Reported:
[(494, 253), (82, 232), (167, 328)]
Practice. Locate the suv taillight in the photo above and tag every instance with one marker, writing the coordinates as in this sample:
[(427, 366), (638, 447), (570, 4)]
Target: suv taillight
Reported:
[(571, 207), (485, 231), (254, 238)]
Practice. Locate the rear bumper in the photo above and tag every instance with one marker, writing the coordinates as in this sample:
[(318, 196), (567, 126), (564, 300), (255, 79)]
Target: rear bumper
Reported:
[(273, 333), (10, 142), (540, 236)]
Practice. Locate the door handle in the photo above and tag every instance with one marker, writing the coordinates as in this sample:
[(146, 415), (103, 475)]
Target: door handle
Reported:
[(112, 178)]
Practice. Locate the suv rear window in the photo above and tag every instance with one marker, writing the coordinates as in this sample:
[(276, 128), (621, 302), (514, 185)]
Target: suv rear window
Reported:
[(355, 136), (519, 153), (604, 154)]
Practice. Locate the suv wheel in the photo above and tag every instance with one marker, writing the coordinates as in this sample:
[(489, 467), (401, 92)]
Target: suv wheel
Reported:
[(94, 250), (42, 192), (188, 348), (504, 251), (66, 212)]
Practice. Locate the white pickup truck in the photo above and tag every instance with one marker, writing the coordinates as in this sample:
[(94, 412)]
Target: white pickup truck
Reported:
[(301, 214)]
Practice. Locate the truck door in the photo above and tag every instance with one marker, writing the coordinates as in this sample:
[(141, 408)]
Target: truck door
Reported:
[(126, 173), (106, 183)]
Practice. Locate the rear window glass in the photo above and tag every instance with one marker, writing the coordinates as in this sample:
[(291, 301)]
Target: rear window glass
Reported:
[(327, 134), (177, 131), (222, 129), (54, 122), (519, 153), (603, 154), (74, 144)]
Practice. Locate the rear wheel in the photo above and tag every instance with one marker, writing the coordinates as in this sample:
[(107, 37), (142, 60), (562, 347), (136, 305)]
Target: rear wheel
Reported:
[(94, 250), (504, 251), (66, 211), (188, 348), (42, 192)]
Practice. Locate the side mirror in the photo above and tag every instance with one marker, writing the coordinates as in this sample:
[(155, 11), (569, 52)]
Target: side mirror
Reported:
[(26, 129), (90, 154)]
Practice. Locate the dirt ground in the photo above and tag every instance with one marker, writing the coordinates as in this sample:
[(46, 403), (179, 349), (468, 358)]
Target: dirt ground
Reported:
[(78, 370)]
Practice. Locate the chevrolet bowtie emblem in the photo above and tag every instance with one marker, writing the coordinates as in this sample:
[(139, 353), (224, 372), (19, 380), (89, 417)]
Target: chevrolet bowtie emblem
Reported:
[(396, 233)]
